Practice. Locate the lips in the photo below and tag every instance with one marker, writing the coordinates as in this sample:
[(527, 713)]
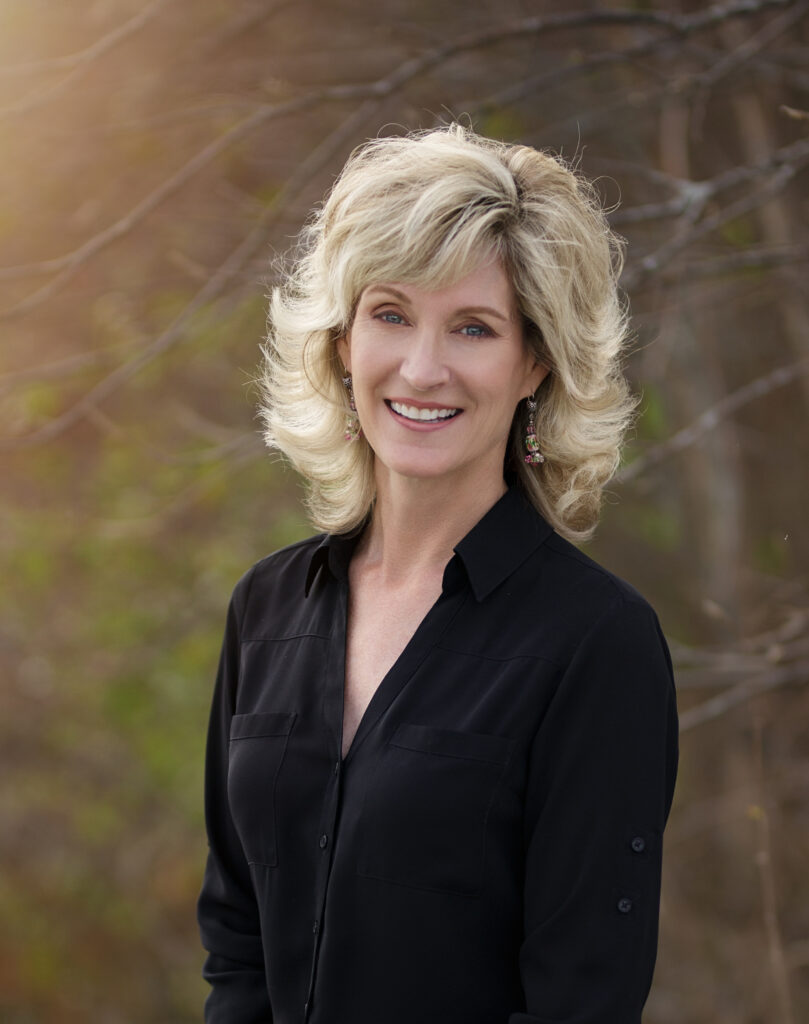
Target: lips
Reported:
[(420, 414)]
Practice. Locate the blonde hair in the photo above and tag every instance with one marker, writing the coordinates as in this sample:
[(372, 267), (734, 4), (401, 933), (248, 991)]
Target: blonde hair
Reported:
[(426, 209)]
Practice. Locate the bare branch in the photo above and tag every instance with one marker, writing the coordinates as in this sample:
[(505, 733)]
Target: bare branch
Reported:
[(757, 258), (695, 229), (712, 417), (65, 266), (718, 669), (76, 363), (318, 158), (245, 450), (679, 85), (68, 265), (752, 45), (718, 69), (697, 193), (796, 115), (739, 694), (248, 19), (77, 63), (123, 373), (92, 52)]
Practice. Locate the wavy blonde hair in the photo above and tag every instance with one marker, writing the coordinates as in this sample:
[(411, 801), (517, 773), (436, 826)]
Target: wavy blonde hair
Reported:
[(426, 209)]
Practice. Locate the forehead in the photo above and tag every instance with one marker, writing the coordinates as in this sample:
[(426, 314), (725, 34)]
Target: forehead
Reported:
[(485, 285)]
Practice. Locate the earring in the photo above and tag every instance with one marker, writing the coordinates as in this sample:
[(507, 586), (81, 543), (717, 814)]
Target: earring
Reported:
[(533, 455), (353, 428)]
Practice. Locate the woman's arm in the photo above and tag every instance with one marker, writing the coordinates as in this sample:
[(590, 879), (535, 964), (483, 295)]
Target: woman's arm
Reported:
[(601, 781), (227, 909)]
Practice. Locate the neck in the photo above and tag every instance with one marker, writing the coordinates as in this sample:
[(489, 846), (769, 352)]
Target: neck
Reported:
[(417, 523)]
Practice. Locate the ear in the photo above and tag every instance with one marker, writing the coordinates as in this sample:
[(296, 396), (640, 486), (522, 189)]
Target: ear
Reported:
[(344, 350), (536, 375)]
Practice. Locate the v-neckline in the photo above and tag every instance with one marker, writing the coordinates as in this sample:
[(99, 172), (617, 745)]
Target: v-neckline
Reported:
[(421, 643)]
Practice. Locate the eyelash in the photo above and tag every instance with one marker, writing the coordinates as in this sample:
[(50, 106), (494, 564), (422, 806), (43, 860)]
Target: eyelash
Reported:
[(482, 329), (389, 312)]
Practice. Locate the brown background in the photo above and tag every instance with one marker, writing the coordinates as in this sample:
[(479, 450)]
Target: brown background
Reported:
[(154, 157)]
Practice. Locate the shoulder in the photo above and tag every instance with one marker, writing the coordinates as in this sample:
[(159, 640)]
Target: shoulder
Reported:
[(581, 572), (582, 585), (614, 626), (575, 601), (276, 577)]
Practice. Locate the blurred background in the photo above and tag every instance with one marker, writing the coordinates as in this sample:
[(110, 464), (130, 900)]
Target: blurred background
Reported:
[(156, 156)]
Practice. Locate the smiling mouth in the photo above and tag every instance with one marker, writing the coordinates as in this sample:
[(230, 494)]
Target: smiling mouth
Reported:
[(411, 412)]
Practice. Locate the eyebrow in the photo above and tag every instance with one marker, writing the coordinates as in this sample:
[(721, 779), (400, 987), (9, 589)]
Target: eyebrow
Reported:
[(466, 311)]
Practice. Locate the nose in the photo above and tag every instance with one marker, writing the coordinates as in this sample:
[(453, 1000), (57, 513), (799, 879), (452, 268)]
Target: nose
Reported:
[(424, 365)]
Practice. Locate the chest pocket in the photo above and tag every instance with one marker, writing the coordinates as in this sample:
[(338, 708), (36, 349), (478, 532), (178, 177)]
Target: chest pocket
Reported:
[(258, 743), (426, 809)]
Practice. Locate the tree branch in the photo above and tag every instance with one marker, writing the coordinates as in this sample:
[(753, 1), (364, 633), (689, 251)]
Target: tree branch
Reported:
[(697, 193), (742, 692), (694, 229), (92, 52), (712, 417), (318, 158), (77, 63), (65, 266), (759, 258)]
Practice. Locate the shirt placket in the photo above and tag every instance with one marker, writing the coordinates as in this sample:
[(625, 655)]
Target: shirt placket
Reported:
[(325, 842), (325, 837), (427, 635)]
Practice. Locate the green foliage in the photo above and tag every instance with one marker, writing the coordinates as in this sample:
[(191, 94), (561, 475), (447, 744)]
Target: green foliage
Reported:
[(772, 554), (739, 232), (40, 402), (33, 569), (502, 123), (652, 422), (267, 192), (658, 526)]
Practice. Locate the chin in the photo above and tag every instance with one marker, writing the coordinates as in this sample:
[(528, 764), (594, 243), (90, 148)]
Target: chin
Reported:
[(419, 466)]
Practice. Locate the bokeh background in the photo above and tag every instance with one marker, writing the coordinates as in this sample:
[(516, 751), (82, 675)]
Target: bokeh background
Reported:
[(156, 156)]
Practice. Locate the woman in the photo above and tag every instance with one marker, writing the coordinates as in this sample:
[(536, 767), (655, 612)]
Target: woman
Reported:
[(443, 742)]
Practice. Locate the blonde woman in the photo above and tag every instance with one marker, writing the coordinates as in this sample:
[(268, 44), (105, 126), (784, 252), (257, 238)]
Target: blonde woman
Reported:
[(443, 743)]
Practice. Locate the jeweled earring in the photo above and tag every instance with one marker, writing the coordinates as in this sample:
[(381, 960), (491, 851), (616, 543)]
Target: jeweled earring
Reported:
[(533, 455), (353, 428)]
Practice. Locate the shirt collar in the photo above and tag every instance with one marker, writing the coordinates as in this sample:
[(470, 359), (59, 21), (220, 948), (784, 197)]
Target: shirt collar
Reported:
[(496, 546), (333, 553), (493, 549)]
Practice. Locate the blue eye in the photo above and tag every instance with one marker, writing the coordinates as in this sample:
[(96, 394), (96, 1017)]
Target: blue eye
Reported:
[(476, 331), (389, 317)]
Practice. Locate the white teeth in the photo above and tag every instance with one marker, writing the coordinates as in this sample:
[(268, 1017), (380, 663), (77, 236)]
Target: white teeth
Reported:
[(410, 412)]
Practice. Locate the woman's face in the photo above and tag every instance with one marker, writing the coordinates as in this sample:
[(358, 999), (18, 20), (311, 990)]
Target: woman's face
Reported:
[(437, 375)]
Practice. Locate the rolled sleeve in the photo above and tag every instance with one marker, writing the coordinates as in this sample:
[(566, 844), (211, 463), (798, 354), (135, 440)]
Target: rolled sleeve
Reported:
[(601, 781), (227, 910)]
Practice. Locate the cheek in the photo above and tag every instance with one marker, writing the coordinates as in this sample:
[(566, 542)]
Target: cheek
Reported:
[(370, 366)]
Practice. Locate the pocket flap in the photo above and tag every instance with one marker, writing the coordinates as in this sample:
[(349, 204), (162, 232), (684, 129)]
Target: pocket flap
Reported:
[(447, 742), (267, 723)]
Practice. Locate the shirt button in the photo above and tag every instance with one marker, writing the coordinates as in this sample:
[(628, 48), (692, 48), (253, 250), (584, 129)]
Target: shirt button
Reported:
[(624, 905), (324, 839), (638, 844)]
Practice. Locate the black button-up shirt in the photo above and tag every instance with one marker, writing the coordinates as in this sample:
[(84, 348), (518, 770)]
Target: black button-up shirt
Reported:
[(489, 850)]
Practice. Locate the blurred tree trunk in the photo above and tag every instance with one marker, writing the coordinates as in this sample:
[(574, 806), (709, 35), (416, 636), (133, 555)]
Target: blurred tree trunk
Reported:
[(712, 489)]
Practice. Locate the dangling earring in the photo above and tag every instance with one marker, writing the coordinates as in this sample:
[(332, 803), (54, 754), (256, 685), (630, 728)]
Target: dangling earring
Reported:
[(533, 455), (353, 428)]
